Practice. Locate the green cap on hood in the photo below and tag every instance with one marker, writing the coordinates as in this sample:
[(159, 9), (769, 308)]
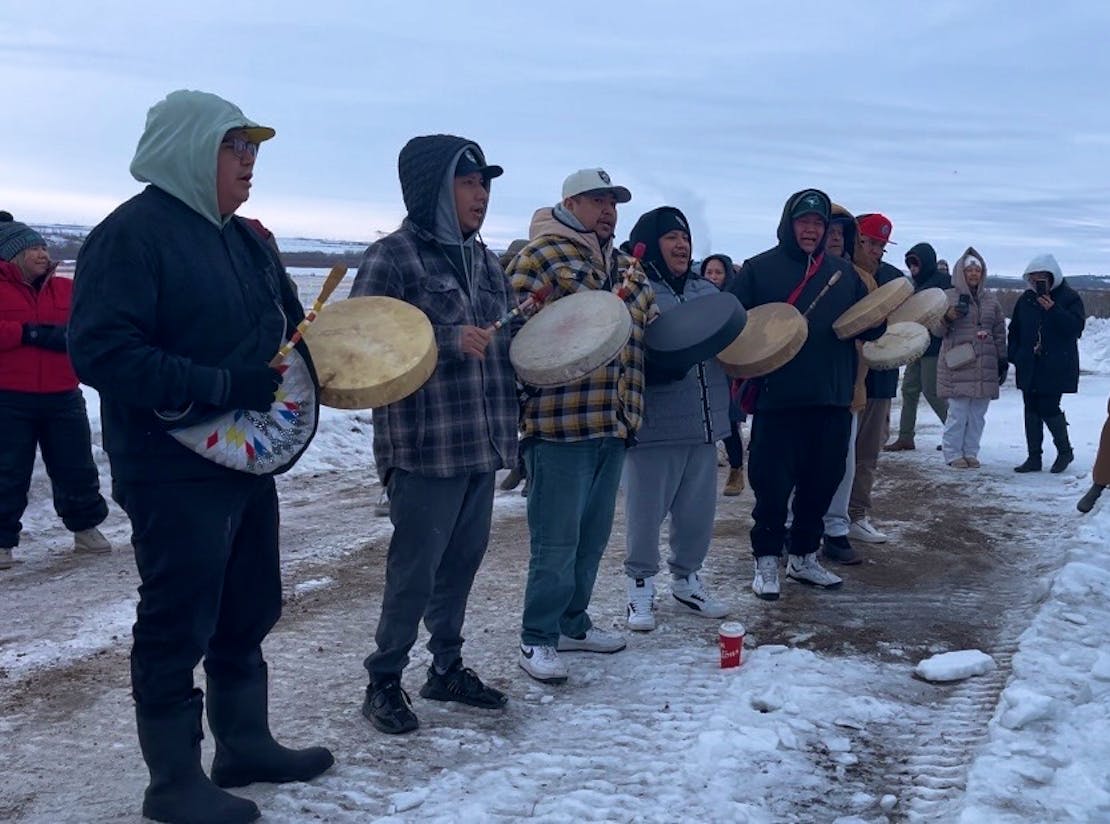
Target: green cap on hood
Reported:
[(180, 145)]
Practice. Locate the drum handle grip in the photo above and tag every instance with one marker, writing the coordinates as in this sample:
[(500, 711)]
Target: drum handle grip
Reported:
[(638, 252), (821, 294), (533, 301), (337, 273)]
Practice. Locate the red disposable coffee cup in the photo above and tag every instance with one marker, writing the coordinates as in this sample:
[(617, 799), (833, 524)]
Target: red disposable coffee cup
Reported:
[(731, 640)]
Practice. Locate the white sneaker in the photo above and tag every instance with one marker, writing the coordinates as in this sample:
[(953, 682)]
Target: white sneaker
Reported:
[(595, 640), (543, 664), (863, 530), (806, 569), (691, 593), (641, 604), (91, 542), (6, 559), (766, 581)]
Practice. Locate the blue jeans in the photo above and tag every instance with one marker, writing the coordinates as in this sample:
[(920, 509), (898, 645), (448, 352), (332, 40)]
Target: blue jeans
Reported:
[(571, 501)]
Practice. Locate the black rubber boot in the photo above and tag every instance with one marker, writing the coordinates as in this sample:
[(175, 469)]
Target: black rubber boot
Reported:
[(179, 791), (246, 752), (1058, 426), (1034, 437)]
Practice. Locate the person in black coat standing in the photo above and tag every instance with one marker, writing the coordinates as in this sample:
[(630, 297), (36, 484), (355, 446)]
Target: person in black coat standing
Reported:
[(803, 421), (1043, 346)]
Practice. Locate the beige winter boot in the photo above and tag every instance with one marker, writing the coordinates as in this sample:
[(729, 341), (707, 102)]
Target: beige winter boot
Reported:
[(735, 483)]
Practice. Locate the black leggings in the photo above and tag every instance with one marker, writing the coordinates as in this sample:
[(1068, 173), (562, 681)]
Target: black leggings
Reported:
[(1044, 406), (734, 446)]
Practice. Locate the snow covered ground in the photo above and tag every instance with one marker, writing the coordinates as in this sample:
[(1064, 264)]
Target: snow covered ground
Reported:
[(805, 730)]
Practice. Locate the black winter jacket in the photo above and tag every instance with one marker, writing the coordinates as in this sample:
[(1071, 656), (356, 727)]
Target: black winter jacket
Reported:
[(162, 301), (929, 276), (1053, 366), (823, 373)]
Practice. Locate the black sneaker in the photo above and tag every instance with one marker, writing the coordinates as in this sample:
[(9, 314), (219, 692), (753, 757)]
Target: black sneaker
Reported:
[(839, 550), (461, 684), (388, 708)]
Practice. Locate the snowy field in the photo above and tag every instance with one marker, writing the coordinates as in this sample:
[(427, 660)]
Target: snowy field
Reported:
[(804, 730)]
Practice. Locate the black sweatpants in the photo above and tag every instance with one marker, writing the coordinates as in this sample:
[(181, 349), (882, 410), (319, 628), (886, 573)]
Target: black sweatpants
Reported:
[(440, 533), (734, 446), (801, 450), (58, 424), (207, 555)]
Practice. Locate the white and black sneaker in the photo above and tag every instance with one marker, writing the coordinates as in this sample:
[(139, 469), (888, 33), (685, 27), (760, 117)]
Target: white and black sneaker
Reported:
[(641, 604), (690, 592), (766, 581), (595, 640), (543, 664), (806, 569)]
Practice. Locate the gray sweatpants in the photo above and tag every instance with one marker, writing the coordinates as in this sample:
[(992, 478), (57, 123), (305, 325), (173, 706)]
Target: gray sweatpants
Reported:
[(679, 480), (440, 532)]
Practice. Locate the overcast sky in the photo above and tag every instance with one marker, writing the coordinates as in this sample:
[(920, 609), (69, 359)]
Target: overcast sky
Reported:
[(966, 122)]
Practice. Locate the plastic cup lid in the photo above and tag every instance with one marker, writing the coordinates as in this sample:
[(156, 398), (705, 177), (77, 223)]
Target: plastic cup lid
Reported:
[(732, 629)]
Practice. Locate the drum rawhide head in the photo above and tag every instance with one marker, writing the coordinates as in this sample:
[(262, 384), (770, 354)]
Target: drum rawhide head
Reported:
[(902, 343), (873, 309), (571, 337), (773, 335), (370, 351)]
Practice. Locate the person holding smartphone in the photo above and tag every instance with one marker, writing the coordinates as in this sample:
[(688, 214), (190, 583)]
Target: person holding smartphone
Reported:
[(972, 362), (1047, 322)]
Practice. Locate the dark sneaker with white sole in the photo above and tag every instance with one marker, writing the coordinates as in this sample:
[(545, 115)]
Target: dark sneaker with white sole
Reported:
[(463, 685), (839, 550)]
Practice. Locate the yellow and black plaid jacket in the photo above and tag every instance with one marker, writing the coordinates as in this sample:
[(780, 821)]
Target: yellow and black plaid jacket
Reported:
[(609, 402)]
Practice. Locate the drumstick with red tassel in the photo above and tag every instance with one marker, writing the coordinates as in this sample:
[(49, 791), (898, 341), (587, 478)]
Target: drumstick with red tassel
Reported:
[(637, 255), (821, 294), (531, 303), (337, 273)]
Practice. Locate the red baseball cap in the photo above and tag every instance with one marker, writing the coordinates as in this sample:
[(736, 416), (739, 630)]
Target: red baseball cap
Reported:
[(877, 227)]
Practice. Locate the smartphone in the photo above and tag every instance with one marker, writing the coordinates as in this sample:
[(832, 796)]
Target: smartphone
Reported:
[(963, 304), (1042, 286)]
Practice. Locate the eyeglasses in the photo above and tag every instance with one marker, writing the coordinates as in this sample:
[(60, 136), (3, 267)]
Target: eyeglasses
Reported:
[(241, 147)]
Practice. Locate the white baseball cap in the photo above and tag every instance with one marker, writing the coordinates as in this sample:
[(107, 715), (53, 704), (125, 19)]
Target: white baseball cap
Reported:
[(593, 180)]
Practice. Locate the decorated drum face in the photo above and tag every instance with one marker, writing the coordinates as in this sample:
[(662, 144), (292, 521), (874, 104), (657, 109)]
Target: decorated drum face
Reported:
[(926, 307), (773, 334), (902, 343), (872, 310), (260, 443), (568, 339), (370, 351), (694, 331)]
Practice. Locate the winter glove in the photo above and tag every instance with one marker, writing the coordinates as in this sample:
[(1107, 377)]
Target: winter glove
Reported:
[(44, 336), (1003, 370), (252, 387)]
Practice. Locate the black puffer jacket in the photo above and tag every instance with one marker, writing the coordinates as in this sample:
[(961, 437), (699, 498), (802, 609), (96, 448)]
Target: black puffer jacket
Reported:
[(929, 276), (823, 373)]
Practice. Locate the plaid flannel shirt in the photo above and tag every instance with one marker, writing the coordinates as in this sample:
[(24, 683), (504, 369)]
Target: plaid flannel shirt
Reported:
[(464, 419), (610, 401)]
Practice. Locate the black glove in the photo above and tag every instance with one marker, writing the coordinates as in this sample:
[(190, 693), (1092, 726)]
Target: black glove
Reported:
[(1003, 370), (252, 387), (44, 336)]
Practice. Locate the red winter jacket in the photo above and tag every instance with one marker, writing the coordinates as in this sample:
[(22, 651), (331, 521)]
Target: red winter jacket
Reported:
[(31, 368)]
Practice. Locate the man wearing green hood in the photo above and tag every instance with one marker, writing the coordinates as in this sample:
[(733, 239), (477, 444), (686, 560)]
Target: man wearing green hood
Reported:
[(179, 305)]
